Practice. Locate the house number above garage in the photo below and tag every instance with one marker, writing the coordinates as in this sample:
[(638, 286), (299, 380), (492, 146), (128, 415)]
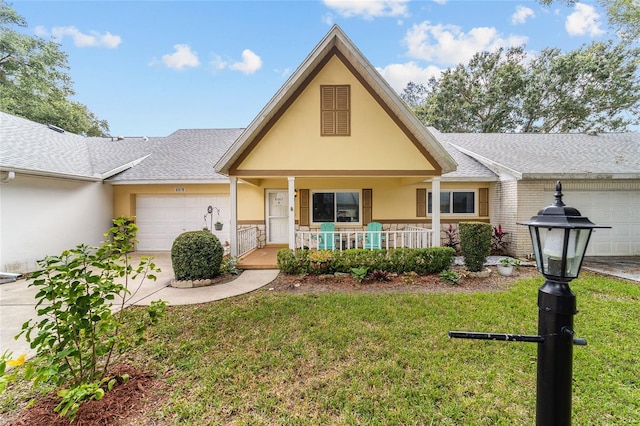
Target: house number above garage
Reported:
[(179, 190)]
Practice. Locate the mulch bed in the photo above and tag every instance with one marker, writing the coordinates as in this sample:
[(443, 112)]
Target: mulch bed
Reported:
[(125, 404), (397, 283)]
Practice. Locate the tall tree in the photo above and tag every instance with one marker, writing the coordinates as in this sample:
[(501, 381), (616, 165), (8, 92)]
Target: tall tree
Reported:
[(592, 88), (482, 96), (34, 80)]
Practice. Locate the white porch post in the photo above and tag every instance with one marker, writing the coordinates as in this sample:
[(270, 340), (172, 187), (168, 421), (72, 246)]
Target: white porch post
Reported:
[(292, 213), (435, 211), (233, 184)]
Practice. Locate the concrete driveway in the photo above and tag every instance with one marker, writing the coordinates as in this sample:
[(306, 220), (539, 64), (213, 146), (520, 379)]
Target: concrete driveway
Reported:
[(619, 266)]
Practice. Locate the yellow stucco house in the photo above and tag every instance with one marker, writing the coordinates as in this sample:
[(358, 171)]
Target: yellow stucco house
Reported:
[(335, 146)]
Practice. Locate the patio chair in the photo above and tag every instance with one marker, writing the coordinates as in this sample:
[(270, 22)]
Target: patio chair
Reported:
[(327, 238), (373, 237)]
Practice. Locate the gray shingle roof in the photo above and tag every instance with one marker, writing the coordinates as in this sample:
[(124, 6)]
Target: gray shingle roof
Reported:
[(33, 147), (568, 155), (185, 155), (469, 169)]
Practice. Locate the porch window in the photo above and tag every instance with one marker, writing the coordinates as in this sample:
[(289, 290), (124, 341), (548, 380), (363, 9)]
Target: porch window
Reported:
[(336, 206), (455, 202), (335, 110)]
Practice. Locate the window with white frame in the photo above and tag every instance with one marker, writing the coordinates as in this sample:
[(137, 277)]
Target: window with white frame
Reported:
[(455, 202), (335, 206)]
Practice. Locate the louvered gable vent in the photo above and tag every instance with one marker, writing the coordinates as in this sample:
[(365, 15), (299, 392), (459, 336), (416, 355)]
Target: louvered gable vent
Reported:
[(335, 110)]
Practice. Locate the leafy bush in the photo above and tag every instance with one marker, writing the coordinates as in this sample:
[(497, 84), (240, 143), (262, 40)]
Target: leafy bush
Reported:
[(475, 244), (228, 265), (359, 273), (450, 277), (423, 261), (77, 335), (499, 243), (452, 238), (290, 263), (196, 255)]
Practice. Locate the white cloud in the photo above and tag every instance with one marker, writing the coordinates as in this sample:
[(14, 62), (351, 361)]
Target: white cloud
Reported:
[(440, 1), (521, 14), (250, 63), (399, 75), (80, 39), (449, 45), (182, 57), (368, 9), (584, 20)]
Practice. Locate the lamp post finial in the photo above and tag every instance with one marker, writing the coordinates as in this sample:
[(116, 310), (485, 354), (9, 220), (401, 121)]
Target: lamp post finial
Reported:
[(558, 195)]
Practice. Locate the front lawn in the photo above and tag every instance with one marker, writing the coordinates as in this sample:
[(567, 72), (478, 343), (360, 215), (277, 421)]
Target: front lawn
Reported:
[(337, 358)]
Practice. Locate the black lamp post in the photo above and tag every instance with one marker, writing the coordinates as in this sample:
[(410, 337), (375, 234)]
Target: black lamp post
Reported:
[(559, 235)]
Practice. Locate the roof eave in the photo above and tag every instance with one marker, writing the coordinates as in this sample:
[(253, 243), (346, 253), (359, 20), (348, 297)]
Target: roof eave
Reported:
[(470, 179), (168, 181), (496, 167), (579, 176), (50, 174)]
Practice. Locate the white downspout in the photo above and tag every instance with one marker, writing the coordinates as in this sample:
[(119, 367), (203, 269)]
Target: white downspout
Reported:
[(233, 183), (292, 212), (435, 210)]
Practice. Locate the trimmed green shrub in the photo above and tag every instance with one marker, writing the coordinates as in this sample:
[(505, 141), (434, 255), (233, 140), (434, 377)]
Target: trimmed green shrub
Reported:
[(475, 244), (424, 261), (196, 255)]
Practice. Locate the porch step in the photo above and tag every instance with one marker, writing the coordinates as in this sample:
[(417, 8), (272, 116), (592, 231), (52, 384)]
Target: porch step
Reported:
[(264, 258)]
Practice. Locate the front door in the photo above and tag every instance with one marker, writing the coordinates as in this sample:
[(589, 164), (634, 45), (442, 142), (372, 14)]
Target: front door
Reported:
[(277, 217)]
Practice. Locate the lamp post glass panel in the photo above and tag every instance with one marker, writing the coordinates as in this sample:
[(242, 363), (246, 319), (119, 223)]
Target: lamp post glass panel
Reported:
[(560, 236)]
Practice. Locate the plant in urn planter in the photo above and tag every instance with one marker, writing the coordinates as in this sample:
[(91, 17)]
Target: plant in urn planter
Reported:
[(506, 265)]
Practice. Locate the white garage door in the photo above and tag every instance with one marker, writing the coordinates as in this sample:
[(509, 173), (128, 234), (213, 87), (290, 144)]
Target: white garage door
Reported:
[(161, 218), (618, 209)]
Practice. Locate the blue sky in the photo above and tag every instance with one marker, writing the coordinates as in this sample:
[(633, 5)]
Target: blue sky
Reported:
[(152, 67)]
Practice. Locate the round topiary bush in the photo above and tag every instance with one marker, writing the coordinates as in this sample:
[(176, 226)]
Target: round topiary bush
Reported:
[(196, 255), (475, 244)]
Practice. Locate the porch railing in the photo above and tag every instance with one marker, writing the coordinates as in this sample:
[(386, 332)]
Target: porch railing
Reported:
[(247, 240), (410, 237)]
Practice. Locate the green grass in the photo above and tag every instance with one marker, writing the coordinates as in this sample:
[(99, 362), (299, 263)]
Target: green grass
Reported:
[(379, 359)]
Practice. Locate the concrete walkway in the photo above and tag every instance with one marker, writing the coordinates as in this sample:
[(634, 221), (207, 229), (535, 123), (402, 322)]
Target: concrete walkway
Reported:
[(17, 300)]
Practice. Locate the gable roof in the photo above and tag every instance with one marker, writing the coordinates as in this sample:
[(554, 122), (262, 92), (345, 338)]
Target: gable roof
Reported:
[(336, 42), (38, 149), (469, 169), (184, 156), (553, 155), (34, 148)]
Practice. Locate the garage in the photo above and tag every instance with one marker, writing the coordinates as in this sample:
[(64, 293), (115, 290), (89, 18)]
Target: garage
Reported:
[(618, 209), (161, 218)]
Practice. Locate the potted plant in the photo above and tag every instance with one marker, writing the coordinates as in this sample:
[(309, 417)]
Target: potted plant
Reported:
[(218, 226), (506, 264)]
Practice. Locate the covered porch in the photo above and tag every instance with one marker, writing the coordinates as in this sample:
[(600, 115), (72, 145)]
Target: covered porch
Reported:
[(252, 256)]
